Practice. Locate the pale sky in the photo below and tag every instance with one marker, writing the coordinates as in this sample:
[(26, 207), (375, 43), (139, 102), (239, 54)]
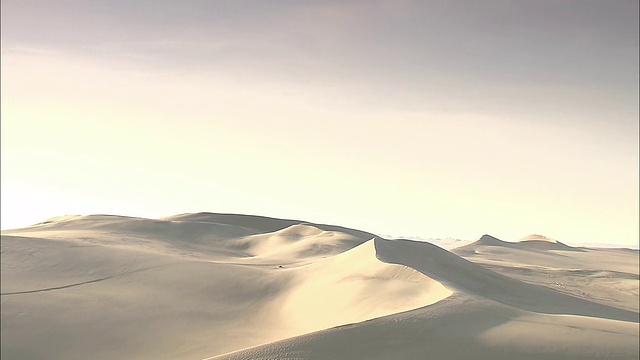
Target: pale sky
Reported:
[(408, 118)]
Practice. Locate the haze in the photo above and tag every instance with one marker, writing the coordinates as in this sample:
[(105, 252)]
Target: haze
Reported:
[(431, 118)]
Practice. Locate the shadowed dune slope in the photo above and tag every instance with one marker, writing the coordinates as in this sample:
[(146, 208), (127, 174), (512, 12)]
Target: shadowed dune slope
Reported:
[(458, 273), (460, 327), (607, 276)]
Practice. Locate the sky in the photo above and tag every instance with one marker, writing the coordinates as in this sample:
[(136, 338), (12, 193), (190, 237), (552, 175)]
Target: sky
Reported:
[(404, 118)]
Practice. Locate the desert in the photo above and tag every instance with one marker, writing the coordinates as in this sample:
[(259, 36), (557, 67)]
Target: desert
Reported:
[(357, 180), (226, 286)]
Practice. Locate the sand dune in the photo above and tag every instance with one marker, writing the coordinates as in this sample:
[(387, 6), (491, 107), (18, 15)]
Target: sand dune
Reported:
[(201, 285), (537, 237), (531, 242), (606, 276), (460, 327), (457, 273), (352, 287)]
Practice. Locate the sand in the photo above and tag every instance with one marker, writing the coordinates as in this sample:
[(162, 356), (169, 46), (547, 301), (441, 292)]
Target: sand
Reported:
[(226, 286)]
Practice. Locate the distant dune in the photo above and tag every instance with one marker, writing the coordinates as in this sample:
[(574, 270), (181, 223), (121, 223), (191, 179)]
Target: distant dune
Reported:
[(229, 286), (536, 237)]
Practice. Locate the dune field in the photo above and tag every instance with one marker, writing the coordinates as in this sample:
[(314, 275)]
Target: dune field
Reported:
[(225, 286)]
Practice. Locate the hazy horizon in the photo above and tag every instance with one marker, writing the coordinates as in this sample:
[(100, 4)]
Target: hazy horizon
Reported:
[(435, 119)]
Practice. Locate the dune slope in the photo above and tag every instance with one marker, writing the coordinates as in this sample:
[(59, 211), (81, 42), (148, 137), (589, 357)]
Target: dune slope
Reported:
[(460, 327), (249, 287), (603, 275), (490, 316), (111, 287)]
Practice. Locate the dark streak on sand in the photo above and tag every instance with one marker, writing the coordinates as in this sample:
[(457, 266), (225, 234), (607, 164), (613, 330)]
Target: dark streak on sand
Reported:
[(58, 287), (79, 283)]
